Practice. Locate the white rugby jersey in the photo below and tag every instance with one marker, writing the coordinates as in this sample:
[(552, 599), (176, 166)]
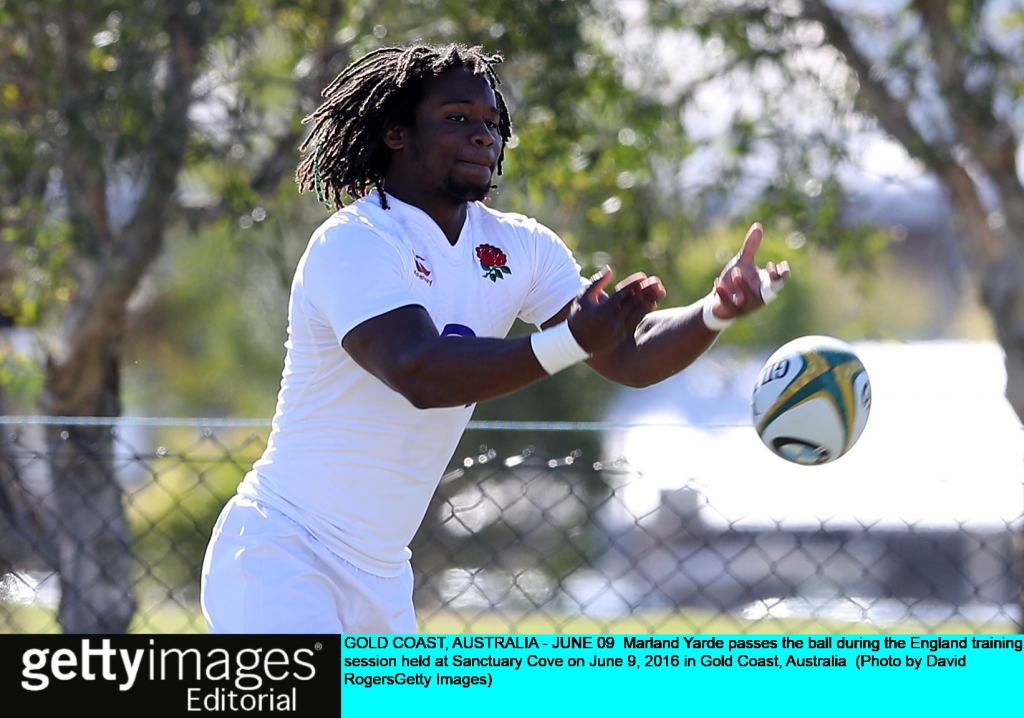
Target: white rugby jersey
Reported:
[(348, 458)]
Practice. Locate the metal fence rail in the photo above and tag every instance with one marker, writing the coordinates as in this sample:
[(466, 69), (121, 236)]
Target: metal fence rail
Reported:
[(543, 537)]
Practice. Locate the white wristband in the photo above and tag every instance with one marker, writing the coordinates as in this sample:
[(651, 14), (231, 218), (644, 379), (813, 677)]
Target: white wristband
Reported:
[(715, 324), (556, 348), (770, 289)]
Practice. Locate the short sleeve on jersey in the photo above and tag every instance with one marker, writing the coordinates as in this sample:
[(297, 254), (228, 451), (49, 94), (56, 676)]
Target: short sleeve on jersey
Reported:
[(350, 274), (557, 279)]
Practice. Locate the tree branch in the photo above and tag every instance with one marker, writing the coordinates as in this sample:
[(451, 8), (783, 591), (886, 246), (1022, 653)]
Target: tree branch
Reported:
[(95, 321), (85, 179), (329, 55), (892, 114), (990, 140)]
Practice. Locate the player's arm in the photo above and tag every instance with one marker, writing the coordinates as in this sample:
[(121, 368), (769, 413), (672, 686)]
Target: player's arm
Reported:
[(403, 349), (667, 341)]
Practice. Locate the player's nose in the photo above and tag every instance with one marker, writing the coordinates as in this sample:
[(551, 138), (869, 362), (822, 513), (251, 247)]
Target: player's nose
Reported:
[(483, 135)]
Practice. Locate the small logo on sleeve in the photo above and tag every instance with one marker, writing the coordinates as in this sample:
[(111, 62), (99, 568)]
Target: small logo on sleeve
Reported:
[(421, 270), (492, 261)]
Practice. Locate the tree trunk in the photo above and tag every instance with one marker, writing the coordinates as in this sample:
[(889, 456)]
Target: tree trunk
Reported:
[(83, 371), (1003, 296), (26, 519), (16, 541), (94, 539), (995, 259), (95, 555)]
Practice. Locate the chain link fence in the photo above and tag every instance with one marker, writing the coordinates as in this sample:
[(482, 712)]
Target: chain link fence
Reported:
[(545, 537)]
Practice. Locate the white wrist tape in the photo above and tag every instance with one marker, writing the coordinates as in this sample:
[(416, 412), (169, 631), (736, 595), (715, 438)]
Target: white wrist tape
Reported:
[(769, 293), (715, 324), (770, 289), (556, 348)]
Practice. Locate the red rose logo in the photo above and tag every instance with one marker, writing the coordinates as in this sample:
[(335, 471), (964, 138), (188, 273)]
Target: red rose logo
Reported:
[(492, 261)]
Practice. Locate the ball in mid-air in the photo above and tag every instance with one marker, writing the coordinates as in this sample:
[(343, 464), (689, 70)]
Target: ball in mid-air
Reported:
[(812, 400)]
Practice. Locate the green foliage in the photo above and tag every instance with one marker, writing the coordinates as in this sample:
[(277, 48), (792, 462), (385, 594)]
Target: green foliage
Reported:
[(211, 340), (595, 155), (172, 515), (21, 377)]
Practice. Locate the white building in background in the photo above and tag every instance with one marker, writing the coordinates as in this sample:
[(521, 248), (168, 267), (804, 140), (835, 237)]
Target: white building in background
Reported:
[(942, 447), (918, 513)]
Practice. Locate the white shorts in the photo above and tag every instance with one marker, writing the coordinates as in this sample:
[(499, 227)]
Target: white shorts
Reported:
[(264, 573)]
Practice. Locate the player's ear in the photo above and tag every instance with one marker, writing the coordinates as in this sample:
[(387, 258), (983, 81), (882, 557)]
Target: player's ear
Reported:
[(394, 136)]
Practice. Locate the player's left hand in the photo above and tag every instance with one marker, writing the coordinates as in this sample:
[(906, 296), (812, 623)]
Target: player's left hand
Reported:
[(742, 287), (600, 322)]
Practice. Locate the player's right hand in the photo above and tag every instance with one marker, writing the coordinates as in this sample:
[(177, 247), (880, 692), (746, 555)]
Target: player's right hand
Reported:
[(740, 288), (600, 322)]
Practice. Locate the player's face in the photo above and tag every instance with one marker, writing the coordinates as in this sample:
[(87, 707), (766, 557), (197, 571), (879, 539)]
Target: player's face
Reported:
[(454, 143)]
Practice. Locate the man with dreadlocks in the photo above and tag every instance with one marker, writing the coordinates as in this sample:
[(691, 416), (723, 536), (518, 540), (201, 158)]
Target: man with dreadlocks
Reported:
[(398, 319)]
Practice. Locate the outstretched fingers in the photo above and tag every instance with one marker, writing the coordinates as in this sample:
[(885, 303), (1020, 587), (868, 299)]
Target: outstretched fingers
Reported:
[(742, 287), (601, 323), (638, 296), (631, 283), (639, 289), (598, 282), (752, 242), (651, 292), (778, 272)]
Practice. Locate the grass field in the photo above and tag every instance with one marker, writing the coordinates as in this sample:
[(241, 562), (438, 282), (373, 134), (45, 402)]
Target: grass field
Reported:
[(681, 621), (169, 618)]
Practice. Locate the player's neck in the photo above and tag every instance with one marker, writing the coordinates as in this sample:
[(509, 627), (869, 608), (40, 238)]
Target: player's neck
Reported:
[(449, 214)]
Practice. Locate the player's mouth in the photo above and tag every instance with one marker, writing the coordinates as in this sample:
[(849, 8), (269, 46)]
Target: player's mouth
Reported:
[(476, 166), (477, 171)]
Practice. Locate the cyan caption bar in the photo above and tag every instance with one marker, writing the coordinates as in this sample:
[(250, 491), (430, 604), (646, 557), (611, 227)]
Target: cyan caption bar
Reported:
[(599, 675)]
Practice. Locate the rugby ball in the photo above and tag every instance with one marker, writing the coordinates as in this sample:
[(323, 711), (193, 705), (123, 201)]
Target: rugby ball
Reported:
[(812, 400)]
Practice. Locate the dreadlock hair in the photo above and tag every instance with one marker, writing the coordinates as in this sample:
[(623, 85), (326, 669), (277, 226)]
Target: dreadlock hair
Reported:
[(345, 152)]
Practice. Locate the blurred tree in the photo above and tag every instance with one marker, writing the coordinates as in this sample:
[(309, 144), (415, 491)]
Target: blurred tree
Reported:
[(95, 124), (796, 80), (100, 102)]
